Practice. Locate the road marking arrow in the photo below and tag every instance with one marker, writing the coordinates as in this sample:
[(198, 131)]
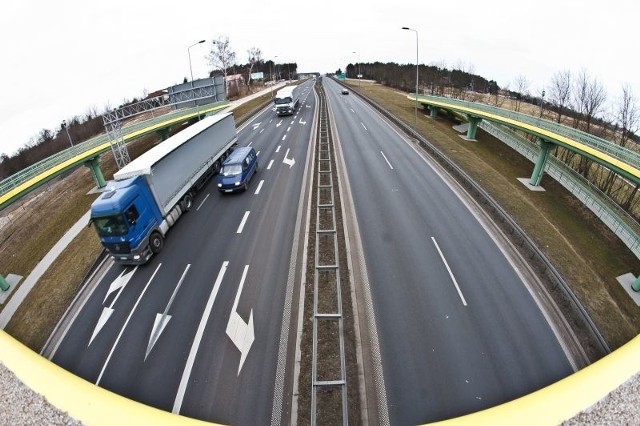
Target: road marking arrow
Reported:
[(162, 319), (118, 284), (256, 125), (278, 125), (289, 161), (241, 334), (302, 122)]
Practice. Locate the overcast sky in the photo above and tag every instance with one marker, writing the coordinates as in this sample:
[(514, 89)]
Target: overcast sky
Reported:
[(58, 59)]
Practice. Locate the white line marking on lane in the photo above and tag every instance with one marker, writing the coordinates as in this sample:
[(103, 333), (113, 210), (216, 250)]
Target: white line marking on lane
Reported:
[(365, 128), (385, 159), (259, 187), (162, 319), (258, 153), (269, 165), (113, 348), (186, 374), (284, 137), (278, 148), (205, 199), (261, 130), (288, 128), (241, 334), (244, 221), (352, 110), (464, 302)]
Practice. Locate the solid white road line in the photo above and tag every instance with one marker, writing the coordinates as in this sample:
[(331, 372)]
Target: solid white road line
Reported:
[(243, 222), (385, 159), (186, 374), (113, 348), (464, 302), (205, 199)]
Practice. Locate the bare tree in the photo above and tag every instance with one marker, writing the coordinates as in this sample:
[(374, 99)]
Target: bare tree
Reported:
[(589, 97), (221, 56), (627, 115), (560, 91), (255, 57), (522, 89)]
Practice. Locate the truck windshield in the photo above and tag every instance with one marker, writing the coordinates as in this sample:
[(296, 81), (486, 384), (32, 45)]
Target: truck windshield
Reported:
[(280, 101), (231, 170), (110, 226)]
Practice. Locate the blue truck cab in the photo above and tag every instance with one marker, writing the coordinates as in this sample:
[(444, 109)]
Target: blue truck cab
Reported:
[(237, 170), (124, 217)]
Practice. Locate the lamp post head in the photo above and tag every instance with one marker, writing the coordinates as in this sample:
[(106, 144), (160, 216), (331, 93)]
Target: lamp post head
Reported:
[(406, 28)]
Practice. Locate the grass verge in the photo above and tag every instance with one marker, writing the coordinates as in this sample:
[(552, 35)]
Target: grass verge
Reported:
[(585, 252)]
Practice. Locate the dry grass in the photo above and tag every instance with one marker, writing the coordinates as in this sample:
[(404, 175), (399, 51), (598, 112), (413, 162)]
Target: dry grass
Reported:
[(586, 253)]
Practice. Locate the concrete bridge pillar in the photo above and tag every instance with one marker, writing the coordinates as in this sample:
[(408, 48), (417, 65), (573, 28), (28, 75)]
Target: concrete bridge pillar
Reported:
[(98, 177), (473, 126), (433, 111), (538, 170)]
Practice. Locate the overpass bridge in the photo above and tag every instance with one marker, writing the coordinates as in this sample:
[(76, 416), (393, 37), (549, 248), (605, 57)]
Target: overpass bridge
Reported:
[(88, 153), (621, 160)]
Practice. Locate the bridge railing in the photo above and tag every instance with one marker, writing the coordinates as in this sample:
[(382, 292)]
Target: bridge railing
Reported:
[(621, 153), (24, 175), (611, 214)]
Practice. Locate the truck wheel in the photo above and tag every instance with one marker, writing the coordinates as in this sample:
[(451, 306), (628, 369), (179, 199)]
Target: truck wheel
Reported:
[(187, 202), (156, 242)]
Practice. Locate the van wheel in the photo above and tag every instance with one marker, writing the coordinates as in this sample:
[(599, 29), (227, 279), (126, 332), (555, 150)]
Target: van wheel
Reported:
[(187, 202), (156, 242)]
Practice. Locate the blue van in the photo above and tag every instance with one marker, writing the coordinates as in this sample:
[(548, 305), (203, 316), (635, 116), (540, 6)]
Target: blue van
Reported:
[(238, 169)]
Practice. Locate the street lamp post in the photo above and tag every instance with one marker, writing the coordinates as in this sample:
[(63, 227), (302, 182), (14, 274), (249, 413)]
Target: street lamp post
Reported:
[(416, 97), (189, 53), (64, 124), (359, 71), (541, 103)]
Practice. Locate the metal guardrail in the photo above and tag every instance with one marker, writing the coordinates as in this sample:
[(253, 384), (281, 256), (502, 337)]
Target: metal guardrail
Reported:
[(595, 344), (611, 214), (621, 153), (34, 170)]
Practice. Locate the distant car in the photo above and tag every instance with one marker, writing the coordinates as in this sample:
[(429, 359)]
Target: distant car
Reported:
[(345, 92)]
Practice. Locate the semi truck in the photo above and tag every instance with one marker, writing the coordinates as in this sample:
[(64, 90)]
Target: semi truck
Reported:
[(148, 195), (287, 100)]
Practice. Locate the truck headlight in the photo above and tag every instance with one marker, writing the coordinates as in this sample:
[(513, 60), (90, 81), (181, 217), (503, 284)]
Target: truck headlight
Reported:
[(136, 257), (219, 185), (237, 183)]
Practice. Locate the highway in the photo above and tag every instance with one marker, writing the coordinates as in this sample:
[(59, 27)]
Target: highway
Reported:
[(196, 330), (458, 329)]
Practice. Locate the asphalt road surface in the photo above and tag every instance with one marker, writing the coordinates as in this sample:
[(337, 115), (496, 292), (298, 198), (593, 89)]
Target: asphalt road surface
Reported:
[(196, 330), (458, 329)]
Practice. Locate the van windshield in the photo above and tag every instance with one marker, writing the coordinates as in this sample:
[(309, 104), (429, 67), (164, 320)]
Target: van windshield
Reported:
[(231, 170), (110, 226), (280, 101)]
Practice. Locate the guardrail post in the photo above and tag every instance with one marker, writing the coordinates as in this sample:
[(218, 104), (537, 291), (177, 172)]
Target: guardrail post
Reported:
[(473, 127), (98, 177), (636, 284), (4, 285), (538, 170)]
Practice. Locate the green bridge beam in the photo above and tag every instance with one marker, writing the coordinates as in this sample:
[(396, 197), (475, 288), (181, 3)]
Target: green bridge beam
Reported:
[(4, 285), (94, 165), (538, 170), (473, 127)]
